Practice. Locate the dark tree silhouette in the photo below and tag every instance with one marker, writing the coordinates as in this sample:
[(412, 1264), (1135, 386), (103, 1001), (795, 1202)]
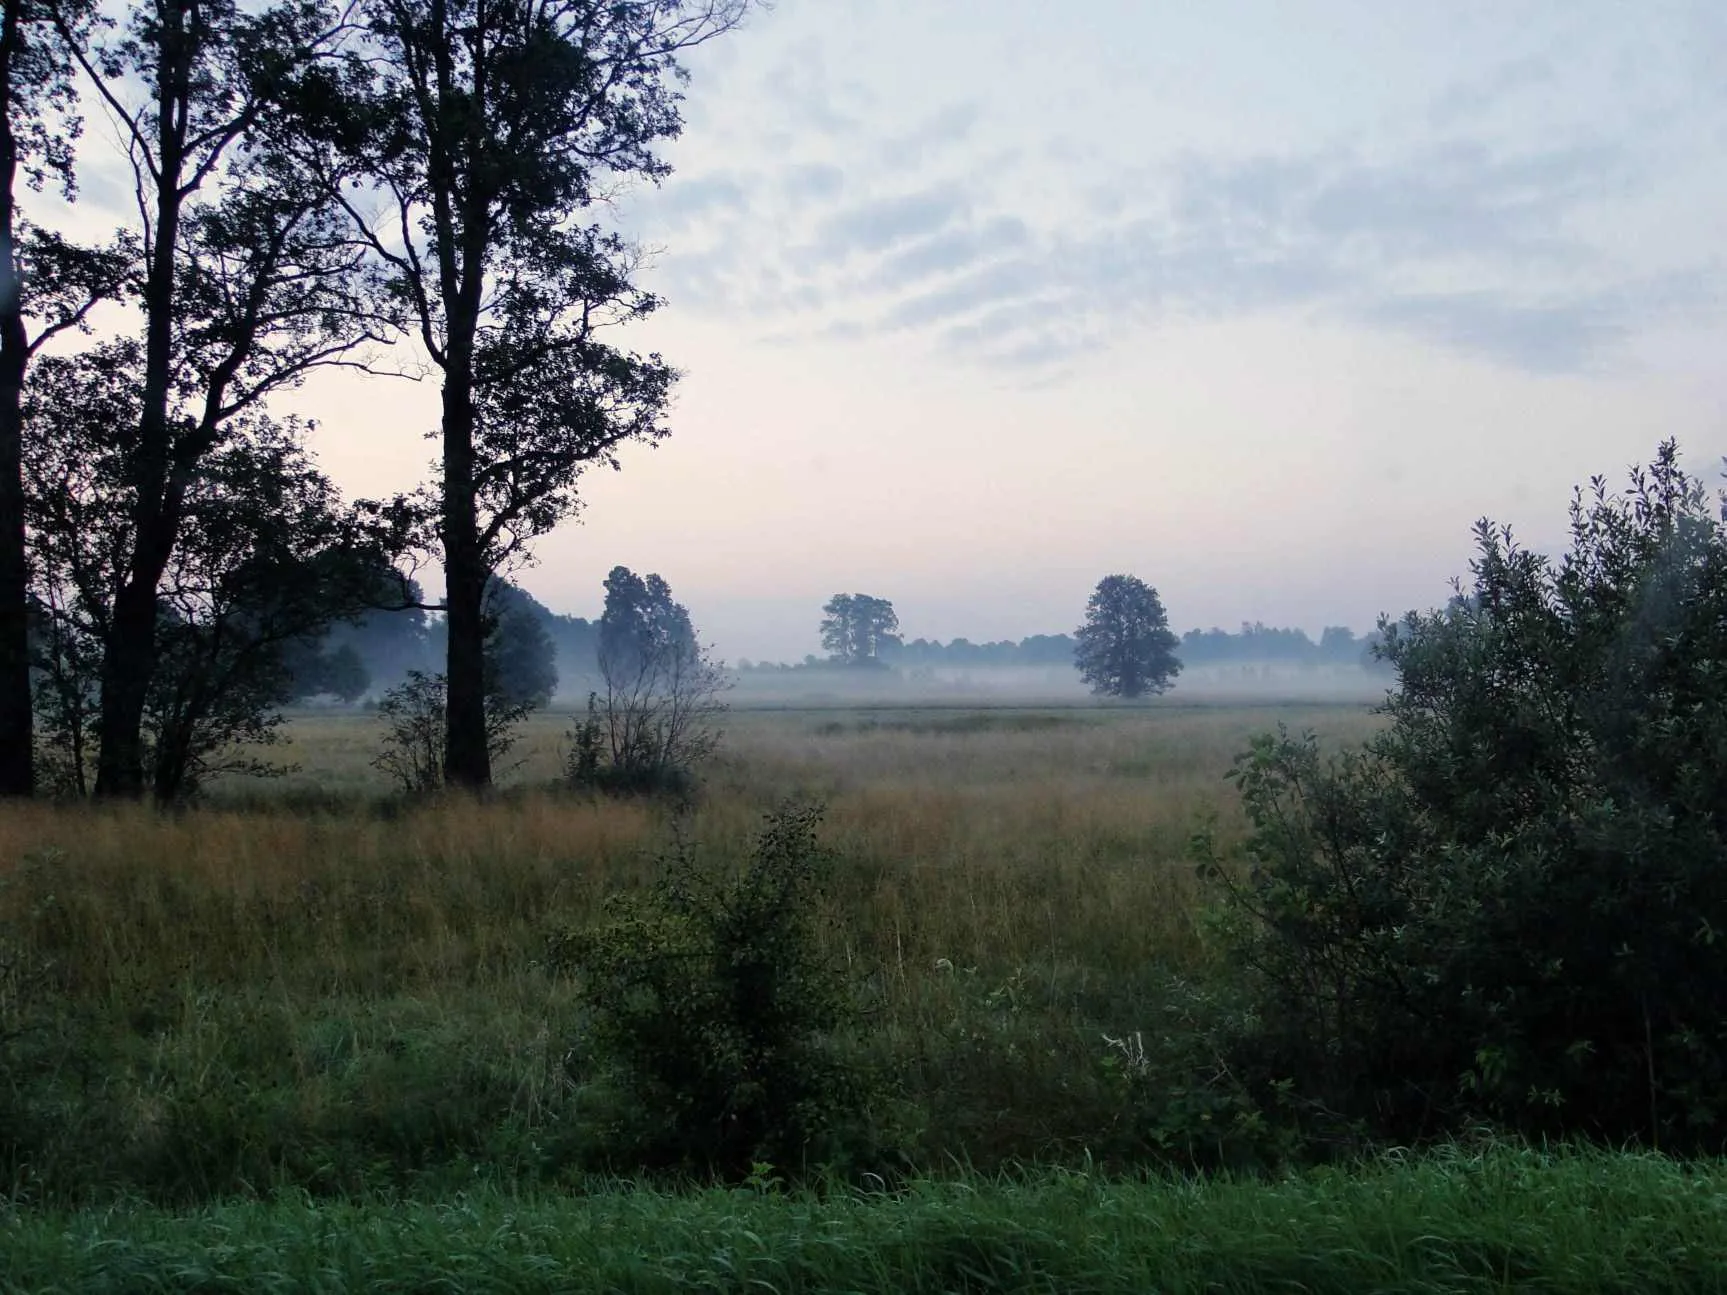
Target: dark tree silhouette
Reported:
[(521, 658), (264, 560), (247, 279), (656, 718), (494, 125), (857, 628), (46, 287), (1125, 648)]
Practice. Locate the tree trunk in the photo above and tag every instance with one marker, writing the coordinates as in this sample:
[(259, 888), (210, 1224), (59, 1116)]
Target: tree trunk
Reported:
[(17, 739), (467, 754), (17, 744), (129, 656)]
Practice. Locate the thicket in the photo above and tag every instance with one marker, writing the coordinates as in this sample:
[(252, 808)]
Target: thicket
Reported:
[(1511, 905)]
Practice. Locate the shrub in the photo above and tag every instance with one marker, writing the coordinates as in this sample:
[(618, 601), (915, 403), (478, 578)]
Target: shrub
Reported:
[(413, 713), (1511, 904), (711, 998), (656, 720)]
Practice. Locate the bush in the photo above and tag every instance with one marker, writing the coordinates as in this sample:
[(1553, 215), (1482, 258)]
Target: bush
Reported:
[(711, 998), (1511, 904), (413, 712), (655, 722)]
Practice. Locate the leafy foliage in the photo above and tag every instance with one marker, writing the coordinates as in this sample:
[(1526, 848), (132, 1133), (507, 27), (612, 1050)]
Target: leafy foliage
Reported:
[(1510, 904), (47, 286), (1125, 648), (492, 127), (713, 998), (521, 659), (244, 282)]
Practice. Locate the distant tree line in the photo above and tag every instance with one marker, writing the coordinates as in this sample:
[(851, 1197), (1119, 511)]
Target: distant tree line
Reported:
[(534, 652), (1252, 644)]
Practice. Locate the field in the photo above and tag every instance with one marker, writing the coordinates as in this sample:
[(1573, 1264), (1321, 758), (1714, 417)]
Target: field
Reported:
[(304, 986)]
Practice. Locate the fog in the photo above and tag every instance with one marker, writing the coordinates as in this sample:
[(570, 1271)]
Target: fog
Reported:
[(1047, 686)]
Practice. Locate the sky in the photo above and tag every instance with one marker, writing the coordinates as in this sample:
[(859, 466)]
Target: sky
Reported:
[(1262, 301)]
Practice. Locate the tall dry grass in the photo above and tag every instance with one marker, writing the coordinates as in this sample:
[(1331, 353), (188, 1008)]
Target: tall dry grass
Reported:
[(993, 837), (302, 983)]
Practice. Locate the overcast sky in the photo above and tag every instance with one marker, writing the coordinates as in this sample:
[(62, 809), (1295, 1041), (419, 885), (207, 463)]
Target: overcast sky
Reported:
[(1263, 301)]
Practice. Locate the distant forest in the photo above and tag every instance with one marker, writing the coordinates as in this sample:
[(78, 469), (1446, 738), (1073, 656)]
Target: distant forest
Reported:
[(531, 643)]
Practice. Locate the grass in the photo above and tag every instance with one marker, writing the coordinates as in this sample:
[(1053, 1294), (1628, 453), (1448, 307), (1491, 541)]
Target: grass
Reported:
[(308, 1037), (1497, 1219), (309, 987)]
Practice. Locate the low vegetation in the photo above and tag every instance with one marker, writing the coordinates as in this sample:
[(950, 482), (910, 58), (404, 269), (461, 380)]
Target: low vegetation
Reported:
[(1491, 1220), (347, 995)]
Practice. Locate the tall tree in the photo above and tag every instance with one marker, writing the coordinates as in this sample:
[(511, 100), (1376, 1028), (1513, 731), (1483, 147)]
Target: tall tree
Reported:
[(248, 277), (495, 124), (1125, 648), (46, 286), (857, 627)]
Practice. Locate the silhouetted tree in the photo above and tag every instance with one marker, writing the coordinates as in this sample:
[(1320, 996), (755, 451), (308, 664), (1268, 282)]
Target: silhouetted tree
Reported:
[(1125, 648), (46, 286), (388, 641), (264, 560), (247, 279), (1338, 643), (316, 670), (856, 628), (494, 125)]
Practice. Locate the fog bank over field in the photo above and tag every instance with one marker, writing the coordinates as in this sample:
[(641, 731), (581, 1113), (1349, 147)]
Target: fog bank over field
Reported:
[(1051, 686)]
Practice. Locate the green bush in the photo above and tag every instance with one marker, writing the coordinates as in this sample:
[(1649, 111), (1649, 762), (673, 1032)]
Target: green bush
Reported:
[(711, 998), (1511, 905)]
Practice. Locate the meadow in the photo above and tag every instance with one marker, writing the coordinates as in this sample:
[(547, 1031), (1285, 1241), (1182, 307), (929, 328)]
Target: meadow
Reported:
[(304, 992)]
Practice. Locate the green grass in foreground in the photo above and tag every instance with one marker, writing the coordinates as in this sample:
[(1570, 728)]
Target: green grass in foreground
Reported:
[(1502, 1219)]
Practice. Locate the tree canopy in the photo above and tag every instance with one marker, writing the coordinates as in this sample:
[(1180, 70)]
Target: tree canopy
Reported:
[(858, 628), (1125, 648)]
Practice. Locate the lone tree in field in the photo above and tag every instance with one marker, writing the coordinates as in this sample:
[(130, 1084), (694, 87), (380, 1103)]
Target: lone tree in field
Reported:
[(1125, 648), (856, 627)]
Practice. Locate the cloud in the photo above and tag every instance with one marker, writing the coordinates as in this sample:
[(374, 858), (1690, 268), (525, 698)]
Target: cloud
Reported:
[(685, 201), (809, 181), (804, 92), (1007, 281), (1479, 95), (1457, 201), (952, 251), (1563, 336), (885, 223), (931, 137), (1483, 251)]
